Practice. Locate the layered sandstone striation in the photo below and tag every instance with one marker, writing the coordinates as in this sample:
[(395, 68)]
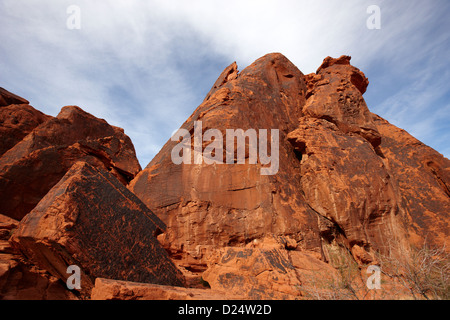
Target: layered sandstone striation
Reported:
[(231, 205), (343, 184)]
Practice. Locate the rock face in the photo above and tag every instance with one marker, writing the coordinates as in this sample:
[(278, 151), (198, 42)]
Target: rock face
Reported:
[(20, 280), (107, 289), (255, 273), (228, 205), (299, 215), (89, 219), (7, 98), (343, 176), (421, 178), (347, 180), (17, 119), (35, 164)]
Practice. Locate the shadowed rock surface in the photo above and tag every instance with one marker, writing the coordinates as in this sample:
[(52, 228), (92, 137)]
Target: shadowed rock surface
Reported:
[(347, 179), (227, 205), (89, 219)]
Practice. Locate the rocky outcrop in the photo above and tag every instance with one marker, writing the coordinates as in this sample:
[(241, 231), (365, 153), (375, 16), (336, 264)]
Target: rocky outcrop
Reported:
[(19, 279), (108, 289), (35, 164), (335, 94), (337, 190), (299, 215), (90, 220), (230, 205), (16, 121), (421, 178), (7, 98)]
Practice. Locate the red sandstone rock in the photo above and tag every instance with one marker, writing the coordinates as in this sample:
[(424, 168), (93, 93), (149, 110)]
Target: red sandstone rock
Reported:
[(335, 94), (335, 188), (253, 273), (89, 219), (34, 165), (7, 98), (107, 289), (20, 280), (229, 205), (16, 121), (349, 185), (7, 225), (421, 177)]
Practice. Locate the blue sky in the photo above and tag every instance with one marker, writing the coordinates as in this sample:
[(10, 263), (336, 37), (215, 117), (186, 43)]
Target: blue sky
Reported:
[(146, 65)]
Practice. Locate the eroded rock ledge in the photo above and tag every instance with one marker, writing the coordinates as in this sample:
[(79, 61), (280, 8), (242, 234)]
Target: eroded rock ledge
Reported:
[(349, 186)]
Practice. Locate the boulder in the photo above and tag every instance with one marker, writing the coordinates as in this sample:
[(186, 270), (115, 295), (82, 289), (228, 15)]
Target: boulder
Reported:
[(108, 289), (7, 98), (21, 280)]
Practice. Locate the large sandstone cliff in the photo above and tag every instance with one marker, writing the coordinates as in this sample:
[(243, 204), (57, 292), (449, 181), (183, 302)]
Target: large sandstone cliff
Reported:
[(350, 187)]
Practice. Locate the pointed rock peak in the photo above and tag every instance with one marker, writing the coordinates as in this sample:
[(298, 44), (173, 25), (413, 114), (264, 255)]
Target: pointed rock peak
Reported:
[(230, 73), (278, 73), (74, 112), (7, 98), (282, 65)]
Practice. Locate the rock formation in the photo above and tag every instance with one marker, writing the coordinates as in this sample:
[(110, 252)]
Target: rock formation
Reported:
[(36, 163), (20, 279), (232, 205), (90, 220), (17, 119), (349, 188), (339, 184)]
